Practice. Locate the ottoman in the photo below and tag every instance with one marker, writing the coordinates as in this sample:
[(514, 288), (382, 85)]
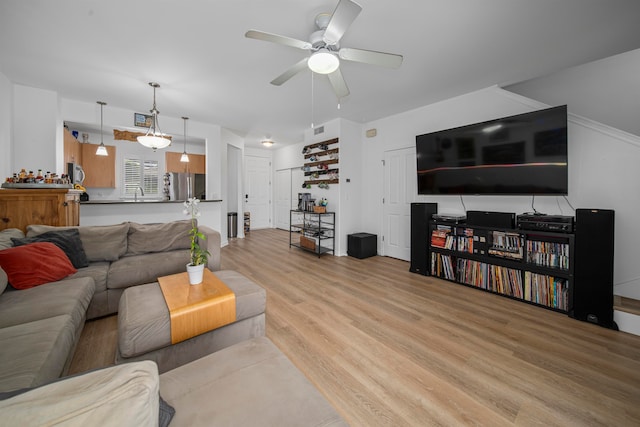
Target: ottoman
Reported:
[(144, 324)]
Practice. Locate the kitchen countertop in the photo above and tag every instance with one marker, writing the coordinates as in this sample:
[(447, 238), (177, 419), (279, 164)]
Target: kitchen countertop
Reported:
[(141, 201)]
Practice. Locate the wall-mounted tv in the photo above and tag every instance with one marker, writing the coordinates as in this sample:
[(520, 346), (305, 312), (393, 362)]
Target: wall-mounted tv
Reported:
[(521, 154)]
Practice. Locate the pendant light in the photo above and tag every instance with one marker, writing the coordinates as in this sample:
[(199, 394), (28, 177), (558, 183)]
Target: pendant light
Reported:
[(102, 150), (185, 158), (154, 138)]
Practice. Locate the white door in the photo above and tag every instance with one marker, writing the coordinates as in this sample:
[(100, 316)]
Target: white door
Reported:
[(297, 178), (399, 192), (282, 192), (257, 191)]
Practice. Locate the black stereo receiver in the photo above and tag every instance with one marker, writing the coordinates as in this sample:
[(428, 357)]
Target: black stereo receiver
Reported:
[(554, 223)]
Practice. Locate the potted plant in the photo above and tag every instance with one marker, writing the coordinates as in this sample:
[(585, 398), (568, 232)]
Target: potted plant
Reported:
[(198, 257)]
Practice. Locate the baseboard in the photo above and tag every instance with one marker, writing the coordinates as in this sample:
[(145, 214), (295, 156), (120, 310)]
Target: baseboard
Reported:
[(628, 305)]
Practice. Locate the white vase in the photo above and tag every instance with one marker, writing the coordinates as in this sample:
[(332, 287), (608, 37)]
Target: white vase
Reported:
[(195, 273)]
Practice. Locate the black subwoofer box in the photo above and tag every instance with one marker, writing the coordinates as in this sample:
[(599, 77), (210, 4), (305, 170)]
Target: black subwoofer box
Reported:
[(420, 241), (591, 297), (505, 220), (362, 245)]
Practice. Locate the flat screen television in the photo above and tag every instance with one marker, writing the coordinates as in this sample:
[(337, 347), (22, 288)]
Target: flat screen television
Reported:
[(516, 155)]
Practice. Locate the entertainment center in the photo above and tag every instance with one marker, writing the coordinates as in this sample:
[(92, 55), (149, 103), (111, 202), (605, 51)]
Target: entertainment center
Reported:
[(568, 272), (558, 262)]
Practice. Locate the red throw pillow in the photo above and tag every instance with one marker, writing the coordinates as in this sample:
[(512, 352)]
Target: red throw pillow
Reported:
[(35, 264)]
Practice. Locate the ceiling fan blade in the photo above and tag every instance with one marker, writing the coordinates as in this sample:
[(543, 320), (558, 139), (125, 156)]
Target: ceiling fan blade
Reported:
[(282, 78), (339, 85), (389, 60), (275, 38), (346, 12)]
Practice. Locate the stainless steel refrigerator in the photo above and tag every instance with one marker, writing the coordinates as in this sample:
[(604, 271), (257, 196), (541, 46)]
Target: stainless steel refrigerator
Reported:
[(183, 186)]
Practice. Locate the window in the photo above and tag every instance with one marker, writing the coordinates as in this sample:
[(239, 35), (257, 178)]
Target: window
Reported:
[(141, 174)]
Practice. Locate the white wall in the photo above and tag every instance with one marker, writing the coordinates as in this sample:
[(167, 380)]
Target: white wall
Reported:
[(232, 169), (6, 103), (606, 90), (35, 124), (603, 170), (351, 147), (343, 198)]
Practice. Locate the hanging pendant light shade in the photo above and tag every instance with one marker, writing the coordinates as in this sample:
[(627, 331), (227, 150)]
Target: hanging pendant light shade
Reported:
[(102, 150), (154, 138), (185, 158)]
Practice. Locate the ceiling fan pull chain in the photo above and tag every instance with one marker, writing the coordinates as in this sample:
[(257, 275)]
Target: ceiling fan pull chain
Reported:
[(312, 99)]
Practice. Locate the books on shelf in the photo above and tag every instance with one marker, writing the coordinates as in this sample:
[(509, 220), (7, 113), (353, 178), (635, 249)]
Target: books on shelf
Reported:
[(465, 241), (442, 266), (548, 254), (473, 273), (546, 290), (441, 237), (506, 245)]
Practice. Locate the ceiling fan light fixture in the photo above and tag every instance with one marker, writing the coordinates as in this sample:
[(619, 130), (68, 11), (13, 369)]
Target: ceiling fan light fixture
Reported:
[(267, 143), (323, 62)]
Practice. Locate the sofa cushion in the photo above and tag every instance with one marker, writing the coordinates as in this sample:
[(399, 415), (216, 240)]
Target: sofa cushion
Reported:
[(67, 240), (35, 264), (101, 242), (162, 237), (123, 395), (3, 280), (70, 297), (36, 352), (7, 235), (97, 271), (146, 268)]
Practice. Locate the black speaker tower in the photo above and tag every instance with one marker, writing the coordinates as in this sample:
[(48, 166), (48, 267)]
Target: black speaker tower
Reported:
[(592, 290), (420, 243)]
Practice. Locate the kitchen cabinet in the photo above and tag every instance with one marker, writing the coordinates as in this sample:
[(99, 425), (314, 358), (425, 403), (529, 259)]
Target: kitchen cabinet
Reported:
[(196, 163), (100, 171), (72, 150), (22, 207)]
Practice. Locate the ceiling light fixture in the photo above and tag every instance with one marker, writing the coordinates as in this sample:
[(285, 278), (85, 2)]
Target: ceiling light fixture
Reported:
[(267, 143), (185, 157), (102, 150), (323, 61), (154, 138), (492, 128)]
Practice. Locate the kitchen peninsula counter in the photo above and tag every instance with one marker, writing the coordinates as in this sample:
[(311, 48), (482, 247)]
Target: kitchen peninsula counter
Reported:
[(138, 202), (108, 212)]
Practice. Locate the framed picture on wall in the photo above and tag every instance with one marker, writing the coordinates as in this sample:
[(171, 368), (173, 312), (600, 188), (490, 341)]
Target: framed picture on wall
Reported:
[(142, 120)]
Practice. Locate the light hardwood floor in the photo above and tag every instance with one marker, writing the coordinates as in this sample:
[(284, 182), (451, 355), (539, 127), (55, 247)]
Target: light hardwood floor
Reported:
[(389, 347)]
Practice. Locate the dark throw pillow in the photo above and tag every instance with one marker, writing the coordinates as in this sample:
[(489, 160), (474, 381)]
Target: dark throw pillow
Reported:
[(67, 240), (166, 413), (35, 264)]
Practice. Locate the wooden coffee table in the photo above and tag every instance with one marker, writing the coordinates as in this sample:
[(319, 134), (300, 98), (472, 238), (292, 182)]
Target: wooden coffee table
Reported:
[(196, 309)]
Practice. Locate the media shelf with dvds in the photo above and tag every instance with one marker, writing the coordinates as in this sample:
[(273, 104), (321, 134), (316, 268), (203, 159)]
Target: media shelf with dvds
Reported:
[(530, 266)]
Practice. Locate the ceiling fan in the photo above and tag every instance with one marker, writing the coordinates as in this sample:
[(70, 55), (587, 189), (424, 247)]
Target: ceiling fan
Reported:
[(324, 45)]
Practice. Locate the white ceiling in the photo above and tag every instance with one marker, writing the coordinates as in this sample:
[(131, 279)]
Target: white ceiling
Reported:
[(91, 50)]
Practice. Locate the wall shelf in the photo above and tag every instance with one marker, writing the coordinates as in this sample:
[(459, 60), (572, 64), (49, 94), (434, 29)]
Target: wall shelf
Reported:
[(321, 149)]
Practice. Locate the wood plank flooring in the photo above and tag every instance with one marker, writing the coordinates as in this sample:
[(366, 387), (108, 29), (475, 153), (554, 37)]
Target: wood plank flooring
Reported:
[(389, 347)]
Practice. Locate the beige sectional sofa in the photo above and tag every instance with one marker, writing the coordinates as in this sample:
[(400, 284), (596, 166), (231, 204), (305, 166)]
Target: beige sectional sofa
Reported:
[(39, 330), (131, 254), (238, 376)]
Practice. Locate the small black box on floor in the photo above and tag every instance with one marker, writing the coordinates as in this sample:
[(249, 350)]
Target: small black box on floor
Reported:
[(362, 245)]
